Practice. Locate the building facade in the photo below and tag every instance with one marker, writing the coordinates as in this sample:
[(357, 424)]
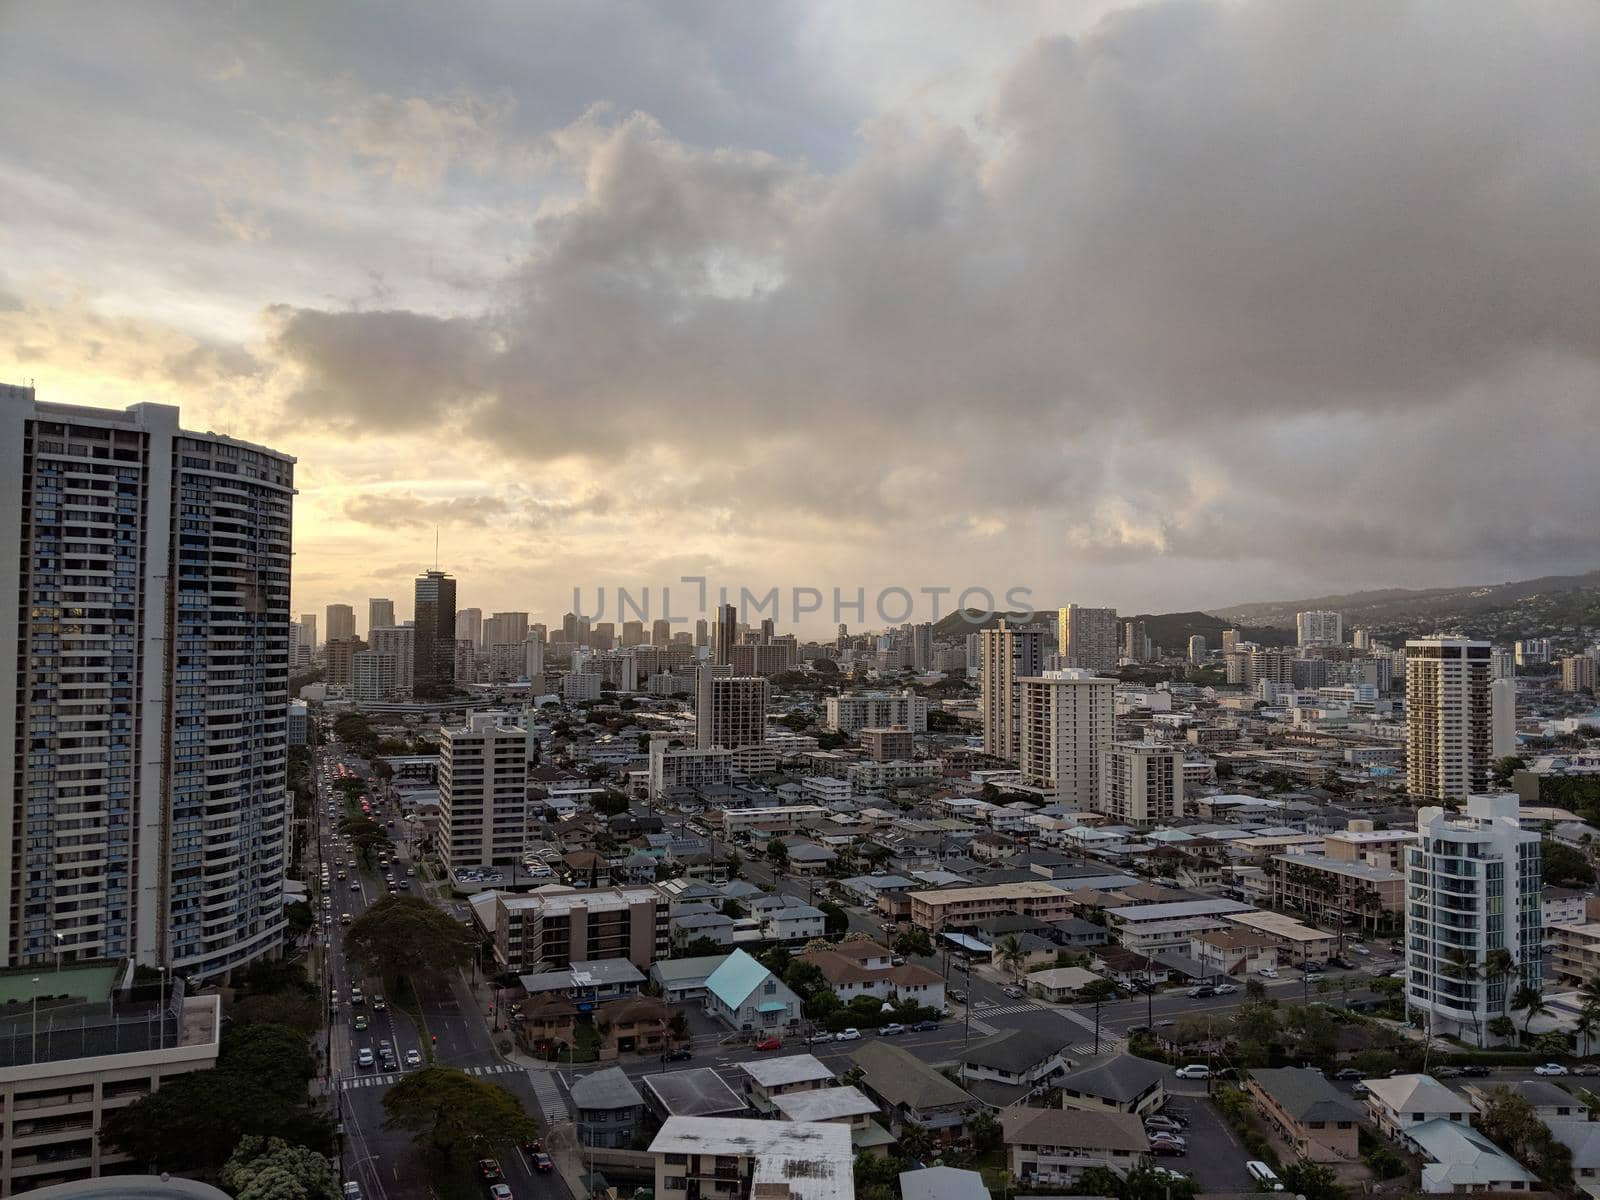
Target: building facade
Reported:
[(1140, 783), (483, 791), (1449, 739), (1066, 723), (1320, 628), (1008, 654), (730, 710), (434, 642), (853, 712)]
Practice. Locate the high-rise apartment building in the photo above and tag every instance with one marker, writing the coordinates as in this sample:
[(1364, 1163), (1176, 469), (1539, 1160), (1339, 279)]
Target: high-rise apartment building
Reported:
[(702, 631), (1087, 637), (727, 634), (380, 614), (730, 711), (1502, 717), (1449, 739), (1533, 652), (1361, 640), (1230, 640), (533, 655), (434, 642), (633, 634), (1135, 642), (144, 713), (854, 711), (1581, 672), (341, 621), (339, 660), (400, 643), (505, 629), (660, 632), (1008, 653), (772, 658), (373, 676), (483, 790), (1141, 783), (308, 629), (1319, 628), (922, 646), (1197, 648), (469, 626), (1067, 719), (1472, 887)]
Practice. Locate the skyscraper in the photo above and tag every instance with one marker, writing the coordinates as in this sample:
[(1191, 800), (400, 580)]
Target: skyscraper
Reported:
[(1066, 722), (341, 622), (1449, 738), (1008, 654), (922, 646), (1319, 628), (633, 634), (434, 642), (1088, 637), (380, 614), (701, 631), (730, 710), (1197, 648), (145, 729), (469, 626), (660, 632), (308, 629), (727, 634), (505, 629)]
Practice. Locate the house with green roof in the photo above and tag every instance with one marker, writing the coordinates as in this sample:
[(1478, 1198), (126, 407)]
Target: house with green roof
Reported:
[(744, 995)]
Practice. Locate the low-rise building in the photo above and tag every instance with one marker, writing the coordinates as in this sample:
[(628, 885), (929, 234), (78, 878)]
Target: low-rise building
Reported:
[(1371, 894), (1315, 1118), (1121, 1084), (766, 822), (1051, 1146), (772, 1160), (1401, 1103), (962, 908), (861, 968), (1234, 951), (1457, 1158), (608, 1110), (1576, 957), (1297, 942), (766, 1079), (695, 1092), (1018, 1059), (847, 1106), (744, 995), (910, 1090)]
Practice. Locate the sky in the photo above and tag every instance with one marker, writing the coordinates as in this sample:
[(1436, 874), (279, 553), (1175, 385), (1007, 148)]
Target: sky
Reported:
[(1153, 305)]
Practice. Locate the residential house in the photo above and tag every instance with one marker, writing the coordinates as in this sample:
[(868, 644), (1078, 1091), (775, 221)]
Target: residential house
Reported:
[(588, 983), (1006, 1065), (1122, 1084), (1582, 1137), (637, 1025), (1401, 1103), (772, 1160), (1052, 1146), (608, 1110), (695, 925), (1457, 1158), (785, 918), (910, 1090), (768, 1078), (682, 979), (1234, 951), (1549, 1102), (863, 968), (1061, 984), (942, 1183), (1035, 952), (1315, 1118), (808, 858), (744, 995), (1075, 933), (695, 1092), (847, 1106)]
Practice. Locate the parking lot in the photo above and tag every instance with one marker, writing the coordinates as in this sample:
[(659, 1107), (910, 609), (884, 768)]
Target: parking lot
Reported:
[(1216, 1157)]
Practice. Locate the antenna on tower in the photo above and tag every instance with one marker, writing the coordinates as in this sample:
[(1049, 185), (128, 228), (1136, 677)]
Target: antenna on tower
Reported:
[(435, 547)]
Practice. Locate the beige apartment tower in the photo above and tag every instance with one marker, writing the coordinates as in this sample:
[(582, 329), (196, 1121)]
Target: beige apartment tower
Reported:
[(1007, 654), (1449, 724), (1067, 720), (1088, 637), (1140, 783)]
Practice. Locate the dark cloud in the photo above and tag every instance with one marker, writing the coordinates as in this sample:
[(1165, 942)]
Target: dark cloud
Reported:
[(511, 509)]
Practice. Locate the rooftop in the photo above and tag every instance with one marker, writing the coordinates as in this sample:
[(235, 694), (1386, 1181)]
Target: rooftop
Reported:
[(736, 978), (1178, 911), (813, 1160), (1122, 1078), (791, 1068), (696, 1092), (1305, 1095), (608, 1089), (1074, 1127), (824, 1104)]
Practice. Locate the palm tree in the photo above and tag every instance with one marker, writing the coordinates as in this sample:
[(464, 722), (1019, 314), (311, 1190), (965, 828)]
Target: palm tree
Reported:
[(1459, 964), (1531, 1002), (1587, 1022), (1589, 990), (1500, 967), (1009, 951)]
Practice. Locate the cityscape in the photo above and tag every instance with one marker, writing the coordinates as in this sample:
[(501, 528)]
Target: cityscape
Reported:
[(800, 602)]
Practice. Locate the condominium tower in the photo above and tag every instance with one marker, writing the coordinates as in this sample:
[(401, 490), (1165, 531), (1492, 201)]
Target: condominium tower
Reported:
[(1088, 637), (1067, 719), (341, 622), (730, 711), (1449, 735), (1141, 783), (469, 627), (380, 614), (483, 790), (1319, 628), (144, 717), (727, 633), (1007, 654)]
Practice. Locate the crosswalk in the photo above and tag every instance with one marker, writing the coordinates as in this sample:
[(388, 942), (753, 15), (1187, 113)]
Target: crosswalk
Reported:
[(369, 1081), (551, 1102), (1108, 1046), (1002, 1010)]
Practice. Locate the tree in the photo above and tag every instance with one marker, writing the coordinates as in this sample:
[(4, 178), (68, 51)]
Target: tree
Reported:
[(271, 1169), (1499, 967), (984, 1131), (459, 1116), (1503, 768), (913, 943), (277, 1056), (1255, 990), (1146, 1183), (778, 852), (401, 936), (916, 1143), (835, 921), (1008, 952), (1531, 1003), (1565, 866), (1098, 990), (1509, 1121), (1460, 964), (367, 837), (609, 803), (1311, 1180), (732, 908)]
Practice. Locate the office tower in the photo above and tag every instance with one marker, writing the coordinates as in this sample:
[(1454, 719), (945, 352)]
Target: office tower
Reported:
[(1472, 886), (769, 629), (1361, 640), (1087, 637), (339, 657), (469, 626), (1067, 718), (1230, 641), (569, 629), (660, 633), (341, 622), (605, 636), (400, 643), (1502, 717), (1308, 673), (145, 743), (1197, 648), (922, 646), (483, 790), (1319, 628), (632, 634), (1448, 736), (1141, 783), (1581, 672), (727, 634), (505, 629), (730, 711), (434, 639), (380, 614), (1533, 652), (1009, 653), (308, 625)]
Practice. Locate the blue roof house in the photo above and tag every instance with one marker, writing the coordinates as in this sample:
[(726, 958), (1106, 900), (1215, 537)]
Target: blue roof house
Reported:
[(744, 995)]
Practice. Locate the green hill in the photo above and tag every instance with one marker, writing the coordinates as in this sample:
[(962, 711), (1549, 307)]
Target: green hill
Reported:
[(1168, 630)]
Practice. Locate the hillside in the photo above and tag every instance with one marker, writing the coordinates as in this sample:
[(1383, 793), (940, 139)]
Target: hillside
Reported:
[(1168, 630)]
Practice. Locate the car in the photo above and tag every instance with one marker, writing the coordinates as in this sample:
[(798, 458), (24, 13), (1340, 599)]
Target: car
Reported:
[(1266, 1179), (352, 1190), (1359, 1089), (1447, 1073), (925, 1026), (891, 1029), (361, 1022), (364, 1057), (1161, 1148), (1476, 1071), (1159, 1124), (500, 1191), (489, 1170), (1267, 972), (1226, 989), (1347, 1074), (355, 885), (1200, 993), (413, 1058), (1550, 1069), (848, 1035), (1342, 964), (1164, 1173), (1586, 1069), (389, 1062), (680, 1054), (377, 1003), (1193, 1071), (770, 1043), (1362, 950), (821, 1037), (1312, 974), (959, 997), (542, 1162), (1013, 991), (1168, 1138)]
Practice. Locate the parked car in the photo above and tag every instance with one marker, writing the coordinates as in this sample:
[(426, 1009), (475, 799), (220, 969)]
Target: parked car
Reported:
[(1225, 989), (1171, 1139), (678, 1054), (821, 1037), (848, 1035), (1200, 993), (1167, 1149), (1267, 972), (1159, 1123), (1586, 1069), (1266, 1179), (771, 1043), (1193, 1071), (1476, 1071), (1013, 991), (891, 1029), (925, 1026), (1347, 1074), (1550, 1069)]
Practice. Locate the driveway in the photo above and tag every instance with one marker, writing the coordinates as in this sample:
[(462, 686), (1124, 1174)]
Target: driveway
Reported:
[(1216, 1157)]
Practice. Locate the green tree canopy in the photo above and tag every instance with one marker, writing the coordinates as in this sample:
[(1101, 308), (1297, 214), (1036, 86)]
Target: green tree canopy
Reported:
[(778, 852), (457, 1115), (835, 921), (609, 803), (913, 942), (405, 935), (271, 1169), (1312, 1180), (1565, 866)]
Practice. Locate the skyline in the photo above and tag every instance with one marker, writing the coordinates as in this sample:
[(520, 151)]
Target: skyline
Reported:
[(1136, 305)]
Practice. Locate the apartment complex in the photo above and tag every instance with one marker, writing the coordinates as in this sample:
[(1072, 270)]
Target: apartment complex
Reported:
[(707, 1158), (730, 710), (1007, 655), (483, 791), (854, 712), (1140, 783), (144, 716), (1449, 739), (1087, 638), (1472, 886), (1067, 719), (1319, 628), (962, 908), (554, 927)]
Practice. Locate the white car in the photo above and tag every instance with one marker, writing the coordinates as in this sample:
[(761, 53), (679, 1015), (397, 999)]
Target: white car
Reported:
[(1550, 1069), (818, 1038), (1193, 1071), (848, 1035), (364, 1057), (1226, 989), (1267, 972), (1266, 1178), (413, 1058)]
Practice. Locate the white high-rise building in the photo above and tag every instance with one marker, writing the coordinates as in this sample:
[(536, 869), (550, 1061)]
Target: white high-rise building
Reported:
[(380, 614), (483, 790), (533, 655), (399, 642), (1009, 653), (730, 711), (1141, 783), (922, 646), (855, 711), (1472, 887), (1503, 717), (505, 629), (374, 676), (1449, 740), (469, 626), (1533, 652), (145, 708), (1067, 719), (1319, 628), (1088, 638), (1197, 648)]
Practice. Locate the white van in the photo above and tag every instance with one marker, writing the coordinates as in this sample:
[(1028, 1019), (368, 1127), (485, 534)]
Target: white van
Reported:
[(1266, 1179)]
